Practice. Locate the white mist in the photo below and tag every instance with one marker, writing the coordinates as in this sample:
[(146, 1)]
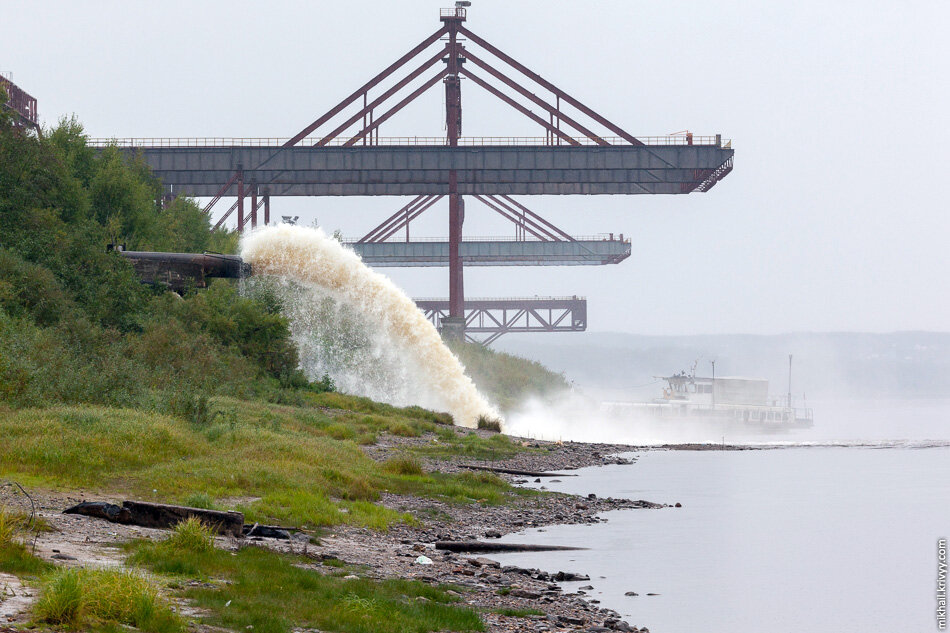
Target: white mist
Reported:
[(392, 352)]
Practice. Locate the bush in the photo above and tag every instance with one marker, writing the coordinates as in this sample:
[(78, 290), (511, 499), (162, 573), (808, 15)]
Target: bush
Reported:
[(30, 290), (489, 424), (191, 536)]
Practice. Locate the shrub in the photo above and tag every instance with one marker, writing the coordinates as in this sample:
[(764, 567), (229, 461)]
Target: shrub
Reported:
[(192, 407), (489, 424), (192, 536)]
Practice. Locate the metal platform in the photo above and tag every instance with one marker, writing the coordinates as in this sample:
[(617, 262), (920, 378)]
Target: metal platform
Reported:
[(424, 169), (495, 252), (495, 317)]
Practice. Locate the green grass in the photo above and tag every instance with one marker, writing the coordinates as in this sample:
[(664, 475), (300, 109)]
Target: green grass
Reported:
[(15, 557), (300, 466), (472, 446), (517, 613), (403, 466), (275, 593), (489, 424), (80, 598)]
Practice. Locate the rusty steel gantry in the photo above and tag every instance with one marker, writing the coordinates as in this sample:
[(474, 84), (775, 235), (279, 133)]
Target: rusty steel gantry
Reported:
[(572, 158), (21, 104)]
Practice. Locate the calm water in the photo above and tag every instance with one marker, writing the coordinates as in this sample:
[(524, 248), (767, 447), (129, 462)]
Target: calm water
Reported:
[(800, 539)]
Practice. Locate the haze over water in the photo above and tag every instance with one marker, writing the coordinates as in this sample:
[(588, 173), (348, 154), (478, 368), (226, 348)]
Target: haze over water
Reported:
[(797, 539)]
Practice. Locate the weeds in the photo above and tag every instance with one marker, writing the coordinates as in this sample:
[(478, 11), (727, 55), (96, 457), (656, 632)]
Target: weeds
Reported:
[(82, 597), (471, 446), (403, 466), (15, 557), (516, 613), (489, 424), (191, 535)]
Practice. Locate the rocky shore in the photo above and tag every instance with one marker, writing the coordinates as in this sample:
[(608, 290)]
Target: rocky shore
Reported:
[(494, 588), (510, 598)]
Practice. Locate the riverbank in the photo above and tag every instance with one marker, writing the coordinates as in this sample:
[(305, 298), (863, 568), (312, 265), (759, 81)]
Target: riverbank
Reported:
[(506, 598), (763, 536)]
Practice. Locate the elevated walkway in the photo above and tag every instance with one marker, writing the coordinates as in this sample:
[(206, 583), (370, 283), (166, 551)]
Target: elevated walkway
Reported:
[(400, 170), (488, 319), (496, 251)]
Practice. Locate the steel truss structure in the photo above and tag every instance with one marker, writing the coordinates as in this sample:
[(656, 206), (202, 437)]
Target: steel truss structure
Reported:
[(495, 317), (342, 153), (21, 104)]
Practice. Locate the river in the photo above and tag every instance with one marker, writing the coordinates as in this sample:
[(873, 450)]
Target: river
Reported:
[(829, 539)]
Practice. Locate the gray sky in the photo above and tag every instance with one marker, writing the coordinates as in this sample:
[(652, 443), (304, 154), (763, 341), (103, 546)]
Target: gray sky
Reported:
[(833, 219)]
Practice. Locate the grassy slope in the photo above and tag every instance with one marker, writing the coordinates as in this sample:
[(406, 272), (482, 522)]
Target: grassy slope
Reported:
[(507, 380), (298, 465)]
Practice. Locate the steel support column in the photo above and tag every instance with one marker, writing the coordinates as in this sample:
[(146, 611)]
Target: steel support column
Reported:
[(254, 207), (453, 120), (266, 209), (240, 201)]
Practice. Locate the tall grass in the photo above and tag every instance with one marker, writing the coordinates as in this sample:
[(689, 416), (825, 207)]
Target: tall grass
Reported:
[(15, 557), (79, 598)]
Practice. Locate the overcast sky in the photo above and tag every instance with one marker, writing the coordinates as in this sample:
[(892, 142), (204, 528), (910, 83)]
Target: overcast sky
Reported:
[(835, 217)]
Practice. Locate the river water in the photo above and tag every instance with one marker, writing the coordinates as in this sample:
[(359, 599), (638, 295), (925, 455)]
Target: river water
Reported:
[(829, 539)]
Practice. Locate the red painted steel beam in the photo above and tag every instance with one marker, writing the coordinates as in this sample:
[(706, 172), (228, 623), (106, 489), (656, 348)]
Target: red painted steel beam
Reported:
[(226, 215), (415, 213), (520, 108), (380, 99), (533, 97), (453, 122), (371, 236), (528, 211), (400, 219), (534, 230), (240, 203), (538, 79), (368, 85), (220, 193), (396, 108)]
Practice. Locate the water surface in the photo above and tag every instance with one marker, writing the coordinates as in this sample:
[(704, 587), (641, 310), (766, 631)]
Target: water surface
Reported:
[(798, 539)]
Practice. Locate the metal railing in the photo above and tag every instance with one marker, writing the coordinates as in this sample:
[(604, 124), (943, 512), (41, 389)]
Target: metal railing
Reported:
[(535, 298), (396, 141), (457, 12), (603, 237)]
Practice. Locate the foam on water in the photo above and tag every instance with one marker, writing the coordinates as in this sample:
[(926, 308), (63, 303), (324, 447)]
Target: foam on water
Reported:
[(393, 354)]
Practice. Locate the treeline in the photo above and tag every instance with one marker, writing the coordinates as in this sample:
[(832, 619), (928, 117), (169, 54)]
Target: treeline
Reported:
[(77, 326)]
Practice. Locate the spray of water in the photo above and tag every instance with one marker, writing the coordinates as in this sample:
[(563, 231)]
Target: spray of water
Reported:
[(392, 352)]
